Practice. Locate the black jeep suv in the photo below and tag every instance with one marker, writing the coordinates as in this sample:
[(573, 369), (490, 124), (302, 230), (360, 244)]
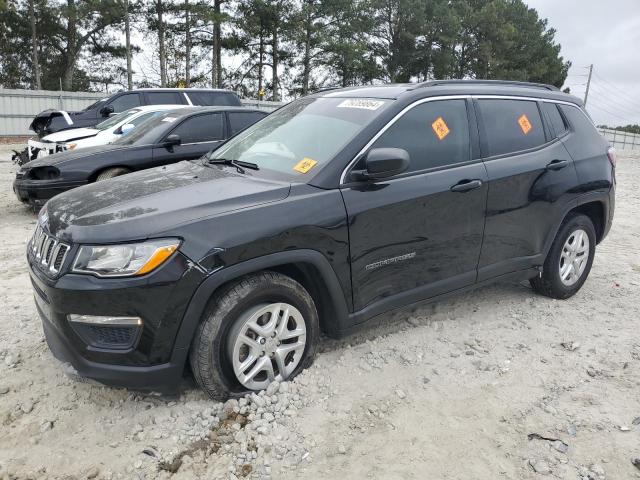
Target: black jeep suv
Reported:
[(338, 207)]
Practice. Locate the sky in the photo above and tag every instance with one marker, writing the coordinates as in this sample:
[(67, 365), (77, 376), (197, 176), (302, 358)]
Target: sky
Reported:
[(607, 35)]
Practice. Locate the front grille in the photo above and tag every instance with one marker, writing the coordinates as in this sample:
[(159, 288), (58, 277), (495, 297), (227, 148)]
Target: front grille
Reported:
[(49, 254)]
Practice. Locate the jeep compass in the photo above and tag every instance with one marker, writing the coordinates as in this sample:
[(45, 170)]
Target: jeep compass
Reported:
[(336, 208)]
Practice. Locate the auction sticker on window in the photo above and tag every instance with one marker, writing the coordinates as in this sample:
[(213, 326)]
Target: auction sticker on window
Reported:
[(524, 123), (304, 165), (440, 128), (364, 103)]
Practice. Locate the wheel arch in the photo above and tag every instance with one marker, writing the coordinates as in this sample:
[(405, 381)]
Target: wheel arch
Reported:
[(309, 267), (595, 210), (98, 171)]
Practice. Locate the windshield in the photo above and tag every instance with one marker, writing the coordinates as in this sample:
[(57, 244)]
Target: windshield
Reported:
[(95, 104), (148, 132), (303, 136), (116, 119)]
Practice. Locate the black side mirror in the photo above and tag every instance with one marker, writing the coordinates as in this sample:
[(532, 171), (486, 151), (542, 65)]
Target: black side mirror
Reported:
[(382, 163), (106, 111), (172, 140)]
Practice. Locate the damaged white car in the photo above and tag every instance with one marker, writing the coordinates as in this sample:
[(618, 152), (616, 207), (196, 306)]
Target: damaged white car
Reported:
[(102, 134)]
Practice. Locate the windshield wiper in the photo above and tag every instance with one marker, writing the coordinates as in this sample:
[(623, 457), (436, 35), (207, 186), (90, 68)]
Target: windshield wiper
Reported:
[(239, 164)]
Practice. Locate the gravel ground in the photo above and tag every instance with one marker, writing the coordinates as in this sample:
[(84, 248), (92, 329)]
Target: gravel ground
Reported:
[(497, 383)]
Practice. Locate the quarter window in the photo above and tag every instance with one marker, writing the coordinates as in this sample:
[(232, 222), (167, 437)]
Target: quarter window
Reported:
[(511, 125), (201, 128), (557, 122), (435, 134)]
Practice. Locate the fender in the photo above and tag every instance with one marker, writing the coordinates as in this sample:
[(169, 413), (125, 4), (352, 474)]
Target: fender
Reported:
[(595, 196), (207, 288)]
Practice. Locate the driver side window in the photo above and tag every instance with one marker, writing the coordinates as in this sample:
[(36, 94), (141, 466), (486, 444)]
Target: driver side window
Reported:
[(201, 128), (125, 102), (435, 134)]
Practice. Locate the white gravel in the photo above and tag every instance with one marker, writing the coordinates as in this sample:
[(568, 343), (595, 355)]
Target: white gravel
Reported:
[(451, 390)]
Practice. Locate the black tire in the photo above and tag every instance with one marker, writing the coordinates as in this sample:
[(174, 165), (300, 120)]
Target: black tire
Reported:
[(209, 355), (550, 284), (111, 172)]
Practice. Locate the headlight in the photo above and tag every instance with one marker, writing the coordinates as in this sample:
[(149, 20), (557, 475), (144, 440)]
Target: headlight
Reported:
[(44, 173), (70, 146), (125, 260)]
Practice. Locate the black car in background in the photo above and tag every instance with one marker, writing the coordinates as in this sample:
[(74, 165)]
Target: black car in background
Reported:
[(181, 134), (50, 121)]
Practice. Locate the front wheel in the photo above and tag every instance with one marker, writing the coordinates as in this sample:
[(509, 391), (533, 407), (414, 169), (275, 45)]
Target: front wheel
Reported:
[(569, 261), (257, 330)]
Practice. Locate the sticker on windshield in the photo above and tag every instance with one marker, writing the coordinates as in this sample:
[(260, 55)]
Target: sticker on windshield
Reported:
[(169, 119), (364, 103), (304, 165), (440, 128), (524, 123)]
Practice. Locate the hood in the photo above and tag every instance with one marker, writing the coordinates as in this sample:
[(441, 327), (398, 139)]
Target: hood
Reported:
[(70, 135), (146, 203), (71, 155)]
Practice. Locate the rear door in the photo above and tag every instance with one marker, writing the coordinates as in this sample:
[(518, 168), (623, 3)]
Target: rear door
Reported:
[(531, 175), (198, 134), (419, 234)]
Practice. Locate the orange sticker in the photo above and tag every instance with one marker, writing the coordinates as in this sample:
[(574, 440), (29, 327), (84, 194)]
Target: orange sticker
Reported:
[(524, 123), (304, 165), (440, 128)]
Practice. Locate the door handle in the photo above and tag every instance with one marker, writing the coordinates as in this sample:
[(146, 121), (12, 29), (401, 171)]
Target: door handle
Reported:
[(557, 165), (466, 185)]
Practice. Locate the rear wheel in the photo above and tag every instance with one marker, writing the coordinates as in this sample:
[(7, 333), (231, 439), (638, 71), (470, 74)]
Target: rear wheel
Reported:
[(111, 172), (260, 329), (569, 261)]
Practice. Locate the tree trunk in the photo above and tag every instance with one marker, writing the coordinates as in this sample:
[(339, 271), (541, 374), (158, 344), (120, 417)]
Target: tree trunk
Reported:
[(260, 66), (307, 57), (34, 46), (216, 60), (187, 42), (71, 56), (127, 36), (161, 47), (274, 64)]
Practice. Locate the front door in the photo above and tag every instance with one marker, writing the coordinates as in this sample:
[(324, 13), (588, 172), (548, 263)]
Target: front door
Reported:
[(198, 135), (418, 234)]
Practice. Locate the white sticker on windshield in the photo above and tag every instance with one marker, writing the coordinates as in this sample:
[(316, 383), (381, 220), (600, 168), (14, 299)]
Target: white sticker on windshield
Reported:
[(364, 103), (169, 119)]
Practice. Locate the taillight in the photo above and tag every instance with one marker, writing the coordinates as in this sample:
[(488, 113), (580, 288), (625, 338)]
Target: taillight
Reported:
[(611, 153)]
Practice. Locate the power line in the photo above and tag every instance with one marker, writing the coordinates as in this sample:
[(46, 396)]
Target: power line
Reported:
[(602, 109), (618, 104), (618, 90)]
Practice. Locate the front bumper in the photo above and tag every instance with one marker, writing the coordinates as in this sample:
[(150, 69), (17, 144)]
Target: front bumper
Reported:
[(37, 192), (160, 298)]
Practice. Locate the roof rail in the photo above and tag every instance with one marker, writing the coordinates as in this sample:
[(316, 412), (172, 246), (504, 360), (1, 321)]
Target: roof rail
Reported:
[(434, 83)]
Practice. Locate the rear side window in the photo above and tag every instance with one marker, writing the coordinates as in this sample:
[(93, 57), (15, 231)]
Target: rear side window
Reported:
[(226, 99), (557, 122), (238, 121), (165, 98), (125, 102), (435, 134), (201, 128), (511, 125)]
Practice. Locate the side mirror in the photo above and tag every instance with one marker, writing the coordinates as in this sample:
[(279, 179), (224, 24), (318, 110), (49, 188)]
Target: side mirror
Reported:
[(127, 127), (172, 140), (106, 111), (382, 163)]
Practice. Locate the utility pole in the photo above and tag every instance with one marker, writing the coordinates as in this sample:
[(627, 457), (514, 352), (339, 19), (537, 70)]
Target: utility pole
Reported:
[(586, 92), (127, 34)]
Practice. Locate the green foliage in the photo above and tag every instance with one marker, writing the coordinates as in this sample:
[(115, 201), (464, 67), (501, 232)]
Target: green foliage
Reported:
[(627, 128), (275, 45)]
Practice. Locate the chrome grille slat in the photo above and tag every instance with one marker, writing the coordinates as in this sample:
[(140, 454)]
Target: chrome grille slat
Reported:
[(48, 252)]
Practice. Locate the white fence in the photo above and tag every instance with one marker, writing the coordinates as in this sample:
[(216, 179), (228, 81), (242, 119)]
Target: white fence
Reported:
[(18, 107), (621, 140)]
